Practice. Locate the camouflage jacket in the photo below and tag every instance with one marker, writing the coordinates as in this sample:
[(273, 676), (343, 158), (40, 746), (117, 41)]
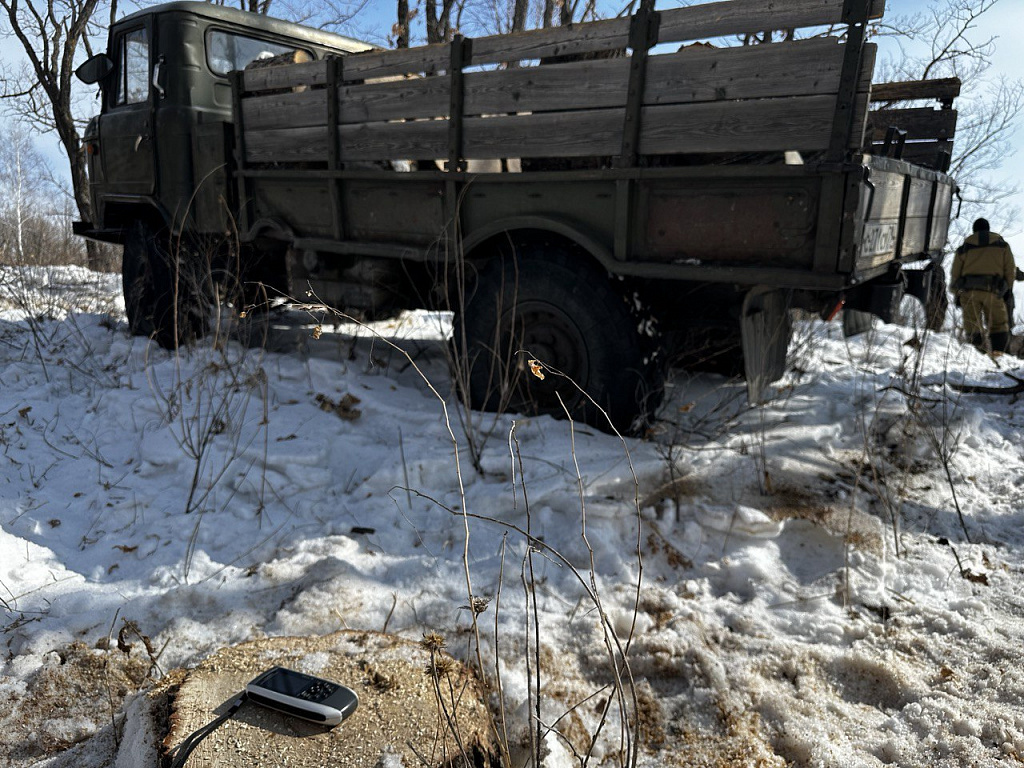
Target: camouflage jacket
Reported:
[(983, 262)]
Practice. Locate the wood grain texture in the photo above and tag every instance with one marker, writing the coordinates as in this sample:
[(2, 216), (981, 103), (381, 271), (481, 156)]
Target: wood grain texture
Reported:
[(738, 17), (289, 76), (397, 706), (945, 89), (374, 64), (605, 35), (922, 123), (409, 98), (285, 110)]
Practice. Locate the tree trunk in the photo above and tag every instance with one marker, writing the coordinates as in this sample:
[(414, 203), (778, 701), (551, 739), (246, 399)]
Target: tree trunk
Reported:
[(519, 15), (402, 25)]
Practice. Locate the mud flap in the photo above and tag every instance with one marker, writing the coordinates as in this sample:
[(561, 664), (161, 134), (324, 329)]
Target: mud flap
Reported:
[(856, 322), (765, 330)]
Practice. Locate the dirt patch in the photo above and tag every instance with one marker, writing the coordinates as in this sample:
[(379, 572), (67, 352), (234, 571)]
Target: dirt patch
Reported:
[(76, 693)]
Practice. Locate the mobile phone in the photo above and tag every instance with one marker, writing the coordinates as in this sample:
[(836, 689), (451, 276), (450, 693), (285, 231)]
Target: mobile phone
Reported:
[(301, 695)]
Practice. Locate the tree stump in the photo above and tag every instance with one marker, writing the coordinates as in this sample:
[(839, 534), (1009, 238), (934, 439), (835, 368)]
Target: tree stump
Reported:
[(412, 710)]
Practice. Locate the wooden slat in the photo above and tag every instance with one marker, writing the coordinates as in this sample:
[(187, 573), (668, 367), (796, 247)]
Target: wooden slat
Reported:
[(738, 17), (760, 71), (285, 110), (373, 64), (923, 123), (418, 140), (800, 123), (605, 35), (401, 99), (290, 76), (286, 145), (805, 68), (552, 134), (945, 89), (581, 85)]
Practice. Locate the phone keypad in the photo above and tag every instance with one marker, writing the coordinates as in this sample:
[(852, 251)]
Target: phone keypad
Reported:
[(318, 691)]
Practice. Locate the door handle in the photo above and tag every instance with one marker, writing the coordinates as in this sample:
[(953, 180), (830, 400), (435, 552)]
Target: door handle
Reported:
[(157, 71)]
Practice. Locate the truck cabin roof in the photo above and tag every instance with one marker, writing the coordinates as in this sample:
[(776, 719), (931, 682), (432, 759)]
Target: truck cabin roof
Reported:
[(255, 22)]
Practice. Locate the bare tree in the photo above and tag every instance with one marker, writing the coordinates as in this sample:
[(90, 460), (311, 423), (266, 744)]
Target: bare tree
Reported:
[(400, 32), (944, 41), (52, 33), (19, 190), (440, 26)]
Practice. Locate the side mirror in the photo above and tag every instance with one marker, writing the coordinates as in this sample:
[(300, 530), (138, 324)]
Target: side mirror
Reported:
[(95, 69)]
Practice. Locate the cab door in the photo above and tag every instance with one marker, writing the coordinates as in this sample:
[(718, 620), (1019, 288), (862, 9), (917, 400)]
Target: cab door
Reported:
[(127, 127)]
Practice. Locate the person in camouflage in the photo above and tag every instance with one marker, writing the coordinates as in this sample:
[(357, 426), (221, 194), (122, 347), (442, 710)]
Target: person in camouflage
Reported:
[(983, 274)]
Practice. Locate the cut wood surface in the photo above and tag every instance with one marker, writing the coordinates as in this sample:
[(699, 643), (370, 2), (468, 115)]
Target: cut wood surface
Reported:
[(397, 718)]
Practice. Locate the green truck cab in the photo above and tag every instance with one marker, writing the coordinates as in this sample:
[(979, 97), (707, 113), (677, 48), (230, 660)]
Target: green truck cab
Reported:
[(166, 102), (592, 202)]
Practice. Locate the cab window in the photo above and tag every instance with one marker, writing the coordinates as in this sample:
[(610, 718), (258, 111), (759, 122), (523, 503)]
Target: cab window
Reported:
[(133, 68), (227, 51)]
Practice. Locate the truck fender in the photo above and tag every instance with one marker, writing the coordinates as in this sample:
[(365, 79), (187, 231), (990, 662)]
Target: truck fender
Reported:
[(765, 333), (540, 224)]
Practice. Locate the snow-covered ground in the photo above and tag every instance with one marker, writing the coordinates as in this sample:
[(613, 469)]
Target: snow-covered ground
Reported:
[(834, 579)]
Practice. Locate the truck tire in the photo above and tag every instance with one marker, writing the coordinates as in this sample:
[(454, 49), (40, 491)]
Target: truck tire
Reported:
[(154, 289), (545, 313)]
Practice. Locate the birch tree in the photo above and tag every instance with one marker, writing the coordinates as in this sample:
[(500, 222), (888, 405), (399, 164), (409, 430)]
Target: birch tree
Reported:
[(54, 37)]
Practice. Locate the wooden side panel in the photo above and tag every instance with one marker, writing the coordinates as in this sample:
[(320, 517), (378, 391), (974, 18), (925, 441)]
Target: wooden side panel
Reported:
[(285, 110), (802, 123), (374, 64), (581, 85), (552, 134), (945, 89), (761, 98), (737, 17), (919, 123), (416, 140), (606, 35), (310, 73), (807, 67), (288, 145), (412, 98)]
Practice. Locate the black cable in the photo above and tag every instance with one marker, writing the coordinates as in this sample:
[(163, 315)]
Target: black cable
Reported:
[(186, 747)]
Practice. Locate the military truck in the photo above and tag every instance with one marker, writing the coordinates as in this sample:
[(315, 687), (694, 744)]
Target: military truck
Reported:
[(591, 202)]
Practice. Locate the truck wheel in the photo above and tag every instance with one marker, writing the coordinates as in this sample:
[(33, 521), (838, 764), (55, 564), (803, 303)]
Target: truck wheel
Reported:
[(155, 287), (545, 314)]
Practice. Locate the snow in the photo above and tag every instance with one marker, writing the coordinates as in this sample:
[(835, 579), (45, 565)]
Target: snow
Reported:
[(791, 583)]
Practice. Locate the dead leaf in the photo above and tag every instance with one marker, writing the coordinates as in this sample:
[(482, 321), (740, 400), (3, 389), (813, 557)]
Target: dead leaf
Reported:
[(536, 368), (976, 578), (343, 409)]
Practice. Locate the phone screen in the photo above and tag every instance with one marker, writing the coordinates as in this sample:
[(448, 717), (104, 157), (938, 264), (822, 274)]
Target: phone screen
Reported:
[(286, 682)]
